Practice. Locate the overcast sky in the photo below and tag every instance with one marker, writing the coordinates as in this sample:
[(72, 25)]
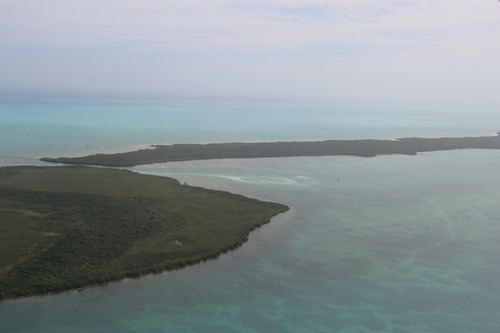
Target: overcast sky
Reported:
[(384, 50)]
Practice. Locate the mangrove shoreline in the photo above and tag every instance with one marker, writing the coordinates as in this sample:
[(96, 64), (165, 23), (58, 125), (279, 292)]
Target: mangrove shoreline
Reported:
[(362, 148), (70, 227)]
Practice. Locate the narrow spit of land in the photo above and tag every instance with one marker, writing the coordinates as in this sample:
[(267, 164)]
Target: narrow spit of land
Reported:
[(364, 148), (63, 228)]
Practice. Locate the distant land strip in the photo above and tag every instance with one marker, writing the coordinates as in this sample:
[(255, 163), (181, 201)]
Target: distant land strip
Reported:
[(363, 148)]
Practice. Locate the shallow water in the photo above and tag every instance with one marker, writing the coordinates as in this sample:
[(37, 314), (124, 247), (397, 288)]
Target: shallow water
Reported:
[(385, 244), (53, 127)]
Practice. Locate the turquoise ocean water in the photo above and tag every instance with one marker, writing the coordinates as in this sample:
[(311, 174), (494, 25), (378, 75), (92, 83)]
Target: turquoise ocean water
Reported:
[(385, 244)]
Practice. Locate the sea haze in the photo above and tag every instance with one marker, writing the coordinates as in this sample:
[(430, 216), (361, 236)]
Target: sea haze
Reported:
[(385, 244)]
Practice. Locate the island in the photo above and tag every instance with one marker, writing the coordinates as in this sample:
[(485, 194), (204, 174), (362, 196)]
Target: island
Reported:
[(363, 148), (68, 227)]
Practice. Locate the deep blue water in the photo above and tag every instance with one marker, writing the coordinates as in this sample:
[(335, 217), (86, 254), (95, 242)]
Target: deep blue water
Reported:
[(385, 244)]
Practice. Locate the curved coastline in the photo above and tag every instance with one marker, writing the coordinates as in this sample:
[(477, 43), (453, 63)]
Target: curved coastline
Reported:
[(361, 147), (69, 227), (29, 201)]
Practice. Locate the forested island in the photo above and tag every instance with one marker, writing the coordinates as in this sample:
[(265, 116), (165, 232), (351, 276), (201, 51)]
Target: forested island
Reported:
[(364, 148), (64, 228), (68, 227)]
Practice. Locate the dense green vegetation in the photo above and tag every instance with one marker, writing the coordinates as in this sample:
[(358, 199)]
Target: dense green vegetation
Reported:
[(63, 228), (365, 148)]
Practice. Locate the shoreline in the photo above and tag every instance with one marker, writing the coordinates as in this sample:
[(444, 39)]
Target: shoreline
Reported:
[(358, 147), (130, 225)]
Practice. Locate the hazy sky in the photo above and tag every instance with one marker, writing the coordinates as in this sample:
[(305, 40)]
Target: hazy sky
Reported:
[(421, 50)]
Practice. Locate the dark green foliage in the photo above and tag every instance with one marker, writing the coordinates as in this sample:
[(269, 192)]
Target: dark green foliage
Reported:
[(63, 228), (365, 148)]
